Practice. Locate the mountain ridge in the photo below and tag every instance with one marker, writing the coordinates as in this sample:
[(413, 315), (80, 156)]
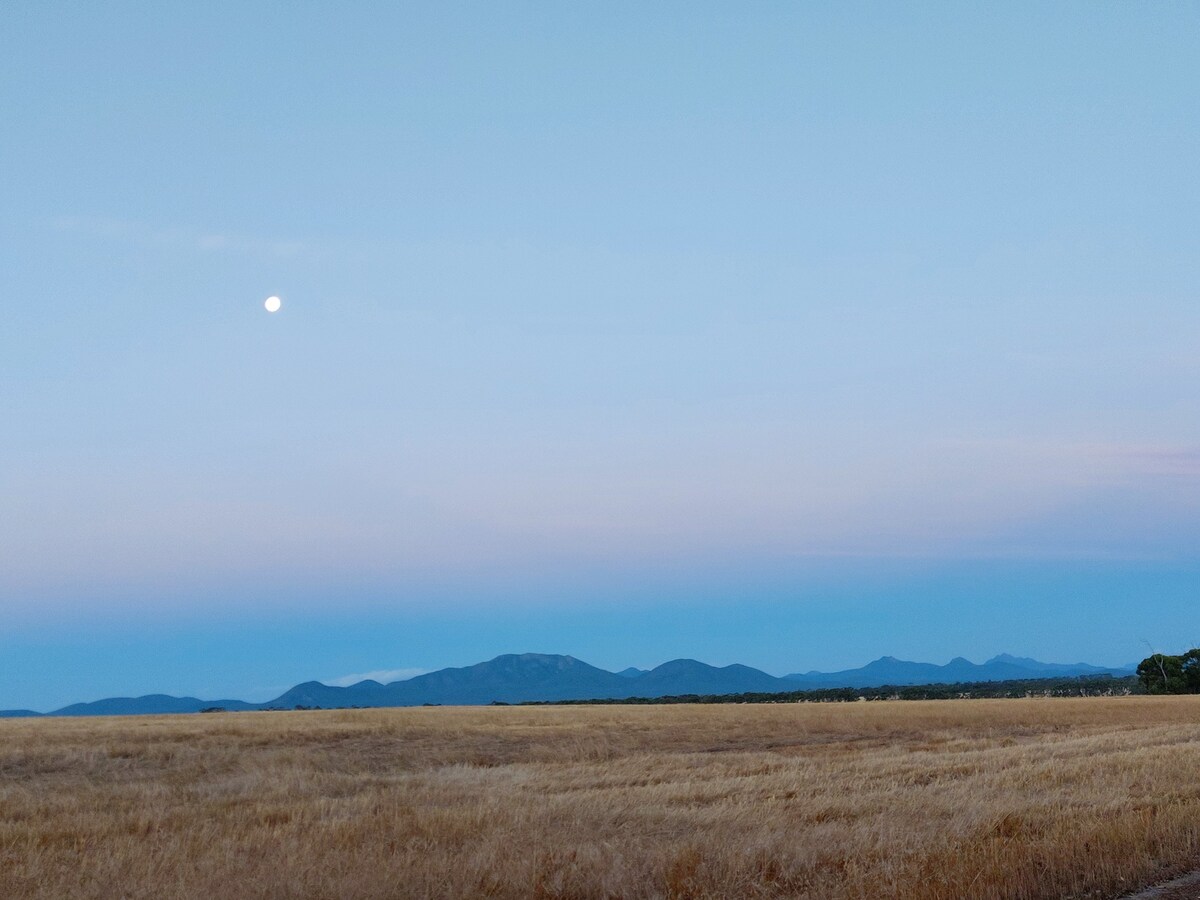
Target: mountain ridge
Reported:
[(523, 677)]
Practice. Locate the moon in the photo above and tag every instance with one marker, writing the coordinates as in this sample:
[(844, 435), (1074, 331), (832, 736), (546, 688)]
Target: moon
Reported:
[(272, 304)]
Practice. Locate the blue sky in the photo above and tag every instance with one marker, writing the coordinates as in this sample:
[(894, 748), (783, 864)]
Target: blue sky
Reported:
[(784, 334)]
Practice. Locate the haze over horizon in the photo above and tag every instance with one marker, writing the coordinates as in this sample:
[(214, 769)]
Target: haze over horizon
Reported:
[(791, 336)]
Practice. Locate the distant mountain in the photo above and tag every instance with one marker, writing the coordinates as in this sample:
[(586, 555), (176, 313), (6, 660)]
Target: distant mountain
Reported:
[(535, 676), (313, 693), (686, 676), (17, 713), (516, 678), (149, 705), (511, 678), (889, 670), (1066, 669)]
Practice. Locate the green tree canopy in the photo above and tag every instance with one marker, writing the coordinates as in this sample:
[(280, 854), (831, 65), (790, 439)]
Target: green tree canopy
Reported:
[(1161, 673)]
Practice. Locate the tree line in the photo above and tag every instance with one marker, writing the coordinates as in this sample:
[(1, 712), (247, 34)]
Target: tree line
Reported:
[(1083, 686)]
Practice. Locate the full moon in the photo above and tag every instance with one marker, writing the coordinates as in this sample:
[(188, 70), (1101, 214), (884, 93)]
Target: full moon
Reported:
[(273, 304)]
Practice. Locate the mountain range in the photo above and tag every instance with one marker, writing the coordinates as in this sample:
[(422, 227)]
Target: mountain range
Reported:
[(516, 678)]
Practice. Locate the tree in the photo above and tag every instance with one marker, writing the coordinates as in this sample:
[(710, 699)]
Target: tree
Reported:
[(1190, 666), (1163, 674)]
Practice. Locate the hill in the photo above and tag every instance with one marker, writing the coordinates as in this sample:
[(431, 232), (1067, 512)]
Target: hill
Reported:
[(150, 704)]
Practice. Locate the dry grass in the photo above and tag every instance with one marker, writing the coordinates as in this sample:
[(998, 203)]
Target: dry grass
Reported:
[(951, 799)]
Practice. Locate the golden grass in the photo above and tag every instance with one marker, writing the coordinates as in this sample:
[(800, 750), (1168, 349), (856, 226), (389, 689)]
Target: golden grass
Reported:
[(946, 799)]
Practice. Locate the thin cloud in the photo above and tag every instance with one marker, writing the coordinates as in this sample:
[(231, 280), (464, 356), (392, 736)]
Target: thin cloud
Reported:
[(186, 239), (1169, 461)]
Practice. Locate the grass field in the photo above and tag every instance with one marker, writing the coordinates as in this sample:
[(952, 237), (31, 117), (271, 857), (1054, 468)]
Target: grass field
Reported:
[(947, 799)]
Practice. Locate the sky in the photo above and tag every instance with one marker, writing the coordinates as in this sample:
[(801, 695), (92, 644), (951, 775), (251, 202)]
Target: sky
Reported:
[(784, 334)]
